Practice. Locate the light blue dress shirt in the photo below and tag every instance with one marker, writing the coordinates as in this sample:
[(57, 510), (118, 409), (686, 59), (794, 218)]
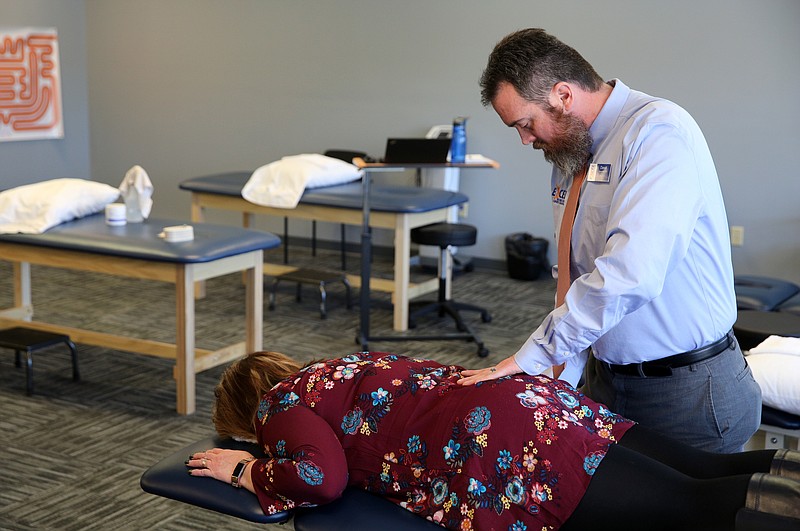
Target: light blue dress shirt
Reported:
[(651, 258)]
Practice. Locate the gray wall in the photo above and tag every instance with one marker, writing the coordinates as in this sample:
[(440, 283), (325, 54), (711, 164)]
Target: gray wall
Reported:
[(191, 87), (39, 160)]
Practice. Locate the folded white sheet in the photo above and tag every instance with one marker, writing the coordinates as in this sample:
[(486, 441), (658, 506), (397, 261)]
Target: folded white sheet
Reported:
[(136, 190), (280, 184)]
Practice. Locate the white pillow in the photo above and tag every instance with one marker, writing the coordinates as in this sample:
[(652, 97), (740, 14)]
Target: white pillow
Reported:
[(778, 345), (330, 171), (779, 378), (34, 208), (281, 183)]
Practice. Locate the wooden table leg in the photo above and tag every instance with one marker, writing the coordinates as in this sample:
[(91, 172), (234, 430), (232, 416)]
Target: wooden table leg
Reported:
[(22, 285), (198, 216), (254, 310), (402, 272), (184, 340)]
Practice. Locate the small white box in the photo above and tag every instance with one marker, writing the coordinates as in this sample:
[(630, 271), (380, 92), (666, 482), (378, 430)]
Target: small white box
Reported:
[(178, 233)]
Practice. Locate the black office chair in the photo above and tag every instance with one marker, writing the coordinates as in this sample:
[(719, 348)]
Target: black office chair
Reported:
[(445, 235)]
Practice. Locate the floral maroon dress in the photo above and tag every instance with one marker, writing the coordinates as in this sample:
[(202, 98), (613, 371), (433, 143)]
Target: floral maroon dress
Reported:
[(515, 453)]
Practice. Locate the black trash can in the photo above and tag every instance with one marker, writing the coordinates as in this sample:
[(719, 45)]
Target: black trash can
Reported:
[(526, 256)]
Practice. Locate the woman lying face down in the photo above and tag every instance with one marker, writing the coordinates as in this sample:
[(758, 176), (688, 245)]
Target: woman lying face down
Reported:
[(521, 452)]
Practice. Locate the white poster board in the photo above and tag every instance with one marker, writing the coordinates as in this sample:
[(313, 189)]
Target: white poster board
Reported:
[(30, 85)]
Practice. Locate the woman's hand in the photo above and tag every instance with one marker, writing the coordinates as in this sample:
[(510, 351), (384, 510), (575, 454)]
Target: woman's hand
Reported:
[(507, 367), (219, 463)]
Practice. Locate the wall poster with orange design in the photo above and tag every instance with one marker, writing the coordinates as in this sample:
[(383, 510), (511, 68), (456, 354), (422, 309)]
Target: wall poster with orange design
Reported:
[(30, 84)]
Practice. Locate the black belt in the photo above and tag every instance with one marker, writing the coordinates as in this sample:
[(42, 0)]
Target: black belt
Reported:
[(664, 366)]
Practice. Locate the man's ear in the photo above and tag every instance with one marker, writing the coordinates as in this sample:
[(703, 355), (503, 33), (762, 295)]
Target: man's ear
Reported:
[(561, 96)]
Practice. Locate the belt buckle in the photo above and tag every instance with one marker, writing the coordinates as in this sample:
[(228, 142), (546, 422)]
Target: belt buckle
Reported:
[(656, 371)]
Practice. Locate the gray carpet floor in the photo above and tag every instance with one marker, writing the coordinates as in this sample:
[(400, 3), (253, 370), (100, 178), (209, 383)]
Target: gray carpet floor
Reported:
[(72, 454)]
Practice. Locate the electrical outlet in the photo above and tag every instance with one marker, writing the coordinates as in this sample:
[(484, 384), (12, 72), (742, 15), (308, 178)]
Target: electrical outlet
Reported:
[(737, 236)]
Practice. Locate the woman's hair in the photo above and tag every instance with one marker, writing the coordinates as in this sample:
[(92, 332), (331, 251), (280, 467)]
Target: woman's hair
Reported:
[(533, 61), (241, 387)]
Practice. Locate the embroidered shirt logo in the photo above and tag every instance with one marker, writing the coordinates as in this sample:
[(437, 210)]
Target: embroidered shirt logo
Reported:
[(560, 195)]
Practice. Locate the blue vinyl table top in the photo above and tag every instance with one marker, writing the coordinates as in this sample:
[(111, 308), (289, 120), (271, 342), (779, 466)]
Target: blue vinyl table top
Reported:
[(383, 198), (140, 240)]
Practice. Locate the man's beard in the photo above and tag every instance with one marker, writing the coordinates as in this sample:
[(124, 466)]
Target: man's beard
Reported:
[(571, 146)]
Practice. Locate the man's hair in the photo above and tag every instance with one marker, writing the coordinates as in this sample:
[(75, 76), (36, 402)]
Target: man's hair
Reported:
[(532, 61), (241, 387)]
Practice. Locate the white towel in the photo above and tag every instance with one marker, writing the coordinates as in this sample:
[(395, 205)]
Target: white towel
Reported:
[(136, 190), (778, 345), (280, 184)]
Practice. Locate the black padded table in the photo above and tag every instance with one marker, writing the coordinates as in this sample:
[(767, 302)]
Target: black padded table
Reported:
[(762, 293), (753, 326), (397, 208), (356, 510), (136, 251)]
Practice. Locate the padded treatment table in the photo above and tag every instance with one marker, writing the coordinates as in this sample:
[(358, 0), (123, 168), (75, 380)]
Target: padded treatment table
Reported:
[(791, 305), (135, 251), (753, 326), (777, 425), (356, 510), (762, 293), (399, 208)]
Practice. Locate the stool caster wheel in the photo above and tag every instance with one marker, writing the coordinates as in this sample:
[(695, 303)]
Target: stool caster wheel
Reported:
[(482, 351), (486, 317)]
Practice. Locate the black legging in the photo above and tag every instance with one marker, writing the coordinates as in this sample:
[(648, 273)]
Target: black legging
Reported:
[(651, 482)]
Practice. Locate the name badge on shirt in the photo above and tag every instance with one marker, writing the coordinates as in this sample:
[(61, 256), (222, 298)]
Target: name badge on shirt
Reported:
[(599, 173)]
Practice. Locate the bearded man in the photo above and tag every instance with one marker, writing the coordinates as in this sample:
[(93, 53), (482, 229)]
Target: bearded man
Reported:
[(645, 302)]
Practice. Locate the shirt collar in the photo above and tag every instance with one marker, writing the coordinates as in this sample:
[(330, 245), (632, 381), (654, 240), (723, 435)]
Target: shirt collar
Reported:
[(609, 114)]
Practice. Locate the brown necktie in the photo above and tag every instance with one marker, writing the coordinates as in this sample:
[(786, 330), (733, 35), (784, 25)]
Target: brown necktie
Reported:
[(565, 237)]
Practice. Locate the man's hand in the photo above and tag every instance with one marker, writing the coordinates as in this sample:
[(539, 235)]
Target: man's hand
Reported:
[(507, 367)]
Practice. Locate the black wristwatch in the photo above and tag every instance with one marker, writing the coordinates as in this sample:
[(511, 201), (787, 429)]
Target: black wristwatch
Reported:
[(238, 470)]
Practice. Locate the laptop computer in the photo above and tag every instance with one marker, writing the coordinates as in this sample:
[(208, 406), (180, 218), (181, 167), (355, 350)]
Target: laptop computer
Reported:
[(416, 150)]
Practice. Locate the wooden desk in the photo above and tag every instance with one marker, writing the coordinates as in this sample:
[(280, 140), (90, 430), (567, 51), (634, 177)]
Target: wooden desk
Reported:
[(135, 251), (398, 208)]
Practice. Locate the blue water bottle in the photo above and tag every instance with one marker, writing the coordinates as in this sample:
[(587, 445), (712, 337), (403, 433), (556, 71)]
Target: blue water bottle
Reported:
[(458, 146)]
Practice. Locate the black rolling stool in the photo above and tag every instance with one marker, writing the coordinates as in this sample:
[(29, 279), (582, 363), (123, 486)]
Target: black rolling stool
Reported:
[(29, 340), (444, 235)]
